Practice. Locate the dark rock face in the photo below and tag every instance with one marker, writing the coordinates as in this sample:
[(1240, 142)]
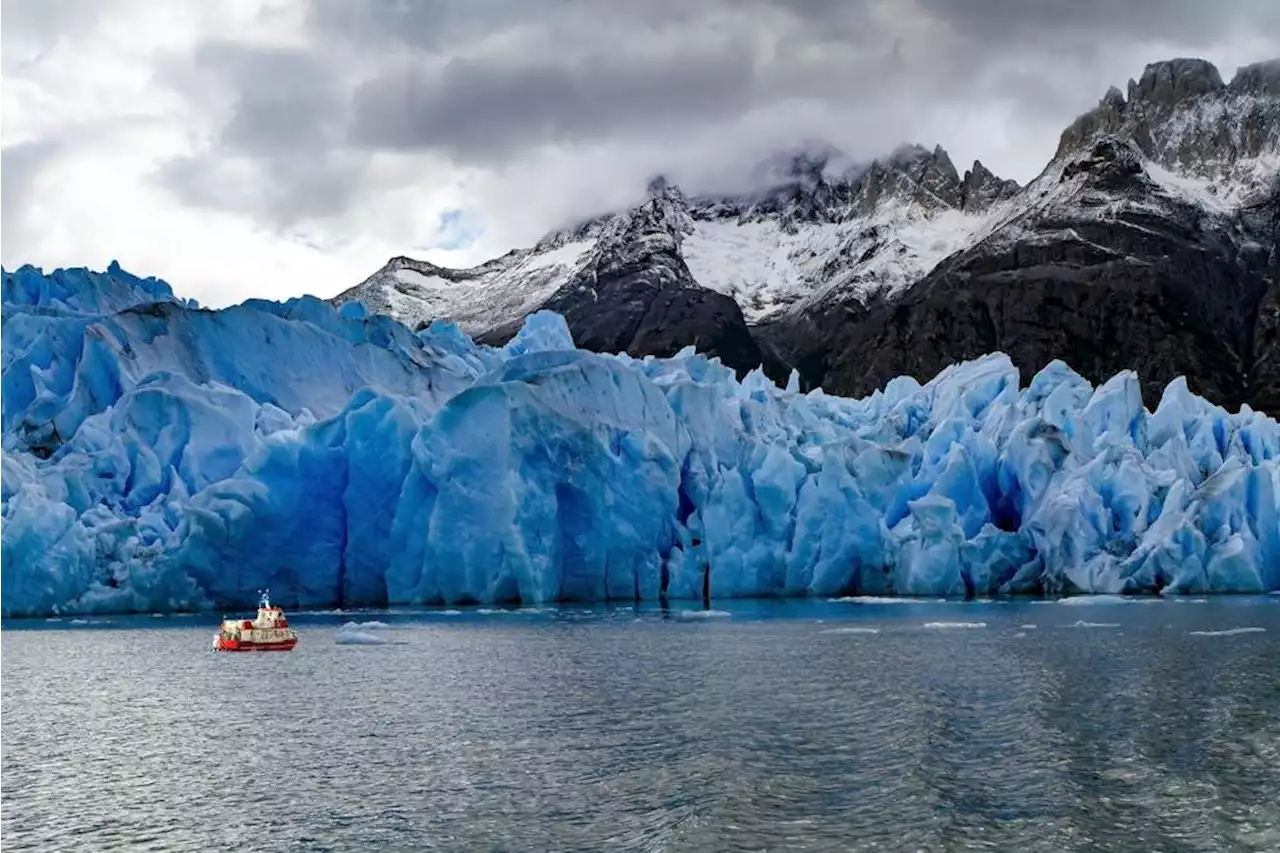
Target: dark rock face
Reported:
[(1112, 164), (1102, 311)]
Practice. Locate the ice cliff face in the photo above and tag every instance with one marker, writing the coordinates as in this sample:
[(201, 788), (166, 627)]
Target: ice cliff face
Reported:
[(160, 457)]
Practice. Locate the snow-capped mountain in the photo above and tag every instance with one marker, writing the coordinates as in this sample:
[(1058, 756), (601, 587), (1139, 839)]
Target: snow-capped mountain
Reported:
[(1150, 241), (868, 229), (1174, 185)]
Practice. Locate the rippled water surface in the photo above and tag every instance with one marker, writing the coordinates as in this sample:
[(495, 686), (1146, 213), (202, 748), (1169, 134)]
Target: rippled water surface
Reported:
[(785, 726)]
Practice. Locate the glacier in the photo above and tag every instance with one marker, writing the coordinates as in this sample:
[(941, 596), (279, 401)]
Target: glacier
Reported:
[(158, 456)]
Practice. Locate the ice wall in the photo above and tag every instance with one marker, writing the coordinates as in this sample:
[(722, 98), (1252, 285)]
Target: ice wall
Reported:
[(158, 456)]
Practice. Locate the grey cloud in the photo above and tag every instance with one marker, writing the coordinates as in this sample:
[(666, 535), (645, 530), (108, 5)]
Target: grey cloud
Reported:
[(653, 85), (285, 98), (22, 165), (33, 26), (1053, 21), (384, 23), (477, 110), (280, 152)]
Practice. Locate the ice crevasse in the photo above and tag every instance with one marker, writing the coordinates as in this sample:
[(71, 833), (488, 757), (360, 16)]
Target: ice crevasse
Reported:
[(159, 456)]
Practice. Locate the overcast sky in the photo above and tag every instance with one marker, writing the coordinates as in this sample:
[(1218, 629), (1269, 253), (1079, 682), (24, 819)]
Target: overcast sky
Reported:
[(246, 148)]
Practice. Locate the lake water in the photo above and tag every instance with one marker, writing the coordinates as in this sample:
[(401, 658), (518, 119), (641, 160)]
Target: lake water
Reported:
[(782, 726)]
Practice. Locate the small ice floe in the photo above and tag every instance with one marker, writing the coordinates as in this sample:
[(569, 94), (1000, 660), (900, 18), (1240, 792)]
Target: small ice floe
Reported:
[(701, 614), (948, 625), (1079, 600), (885, 599), (365, 634), (1228, 632)]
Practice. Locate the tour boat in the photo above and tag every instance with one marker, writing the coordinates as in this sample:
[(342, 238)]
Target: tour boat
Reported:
[(270, 632)]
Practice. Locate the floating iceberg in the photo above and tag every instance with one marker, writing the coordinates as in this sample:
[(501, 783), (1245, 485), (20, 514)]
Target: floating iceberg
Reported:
[(158, 456)]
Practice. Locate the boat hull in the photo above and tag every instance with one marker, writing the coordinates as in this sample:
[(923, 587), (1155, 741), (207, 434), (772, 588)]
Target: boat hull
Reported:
[(224, 645)]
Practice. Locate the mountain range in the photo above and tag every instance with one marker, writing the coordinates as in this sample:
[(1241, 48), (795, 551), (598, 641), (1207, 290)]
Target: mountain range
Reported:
[(1149, 241)]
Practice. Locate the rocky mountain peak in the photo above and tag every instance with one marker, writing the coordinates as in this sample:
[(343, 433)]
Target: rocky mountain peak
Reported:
[(1114, 98), (1182, 116), (657, 225), (1260, 78), (657, 185), (981, 188), (933, 171), (1174, 81), (914, 174)]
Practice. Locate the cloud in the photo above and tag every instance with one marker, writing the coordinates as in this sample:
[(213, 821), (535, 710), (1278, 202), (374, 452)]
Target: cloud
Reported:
[(314, 139), (1063, 24), (479, 110), (22, 165)]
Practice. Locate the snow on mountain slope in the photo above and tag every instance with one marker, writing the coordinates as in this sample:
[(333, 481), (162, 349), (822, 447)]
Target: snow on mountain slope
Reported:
[(769, 269), (477, 299)]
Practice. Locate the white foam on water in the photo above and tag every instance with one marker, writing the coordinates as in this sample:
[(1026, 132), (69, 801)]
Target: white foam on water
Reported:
[(1028, 626), (1228, 632), (945, 625), (1082, 624), (850, 631)]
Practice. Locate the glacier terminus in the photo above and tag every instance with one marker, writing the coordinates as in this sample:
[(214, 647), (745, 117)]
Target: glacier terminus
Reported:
[(159, 456)]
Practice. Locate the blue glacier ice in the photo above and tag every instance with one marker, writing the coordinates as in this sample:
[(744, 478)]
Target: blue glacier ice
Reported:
[(158, 456)]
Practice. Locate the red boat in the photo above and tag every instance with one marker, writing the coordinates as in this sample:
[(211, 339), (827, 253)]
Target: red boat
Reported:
[(270, 632)]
